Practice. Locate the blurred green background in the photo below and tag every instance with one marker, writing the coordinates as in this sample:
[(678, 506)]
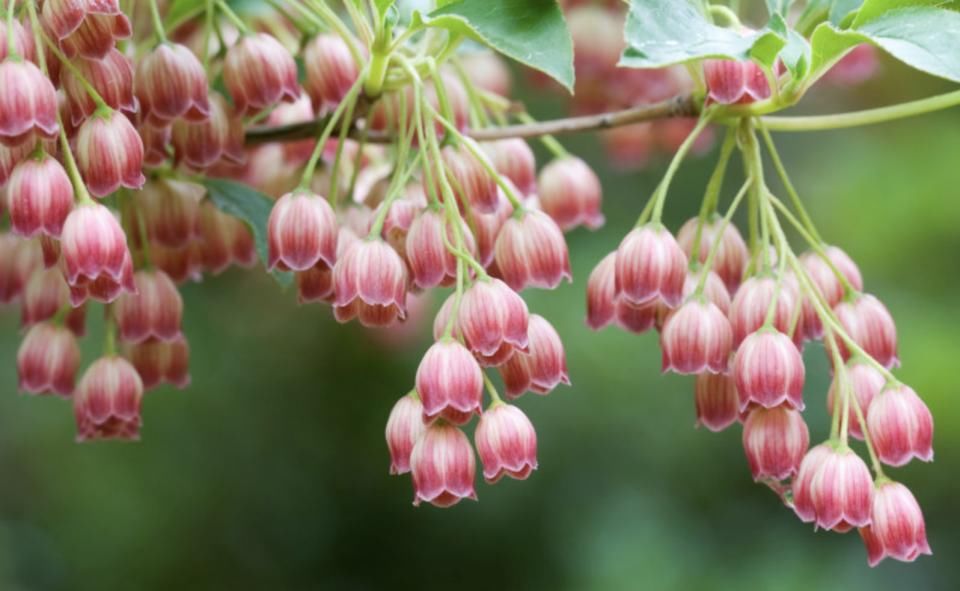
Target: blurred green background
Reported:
[(270, 472)]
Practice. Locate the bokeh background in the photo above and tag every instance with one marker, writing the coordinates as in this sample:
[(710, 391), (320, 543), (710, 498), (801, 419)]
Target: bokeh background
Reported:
[(270, 472)]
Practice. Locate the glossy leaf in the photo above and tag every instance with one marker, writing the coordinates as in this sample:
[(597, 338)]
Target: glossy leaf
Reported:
[(532, 32), (920, 33), (249, 205), (666, 32)]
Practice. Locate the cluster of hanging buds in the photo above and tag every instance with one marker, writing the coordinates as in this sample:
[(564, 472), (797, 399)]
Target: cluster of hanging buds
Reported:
[(737, 315), (111, 151)]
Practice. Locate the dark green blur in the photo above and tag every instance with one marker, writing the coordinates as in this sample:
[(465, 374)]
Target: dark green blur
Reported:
[(270, 472)]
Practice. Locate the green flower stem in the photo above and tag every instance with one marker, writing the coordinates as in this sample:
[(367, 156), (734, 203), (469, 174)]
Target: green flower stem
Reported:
[(661, 191), (785, 179), (478, 114), (232, 17), (865, 117), (492, 390), (209, 12), (549, 142), (826, 315), (311, 167), (440, 88), (157, 22), (102, 106), (829, 337), (109, 331), (715, 247), (330, 18), (360, 23), (815, 246), (861, 420), (79, 187), (769, 220), (477, 153), (712, 194), (11, 38), (399, 180), (345, 124)]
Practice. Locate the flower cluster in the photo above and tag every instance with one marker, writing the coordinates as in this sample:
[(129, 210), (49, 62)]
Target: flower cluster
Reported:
[(738, 316), (121, 166)]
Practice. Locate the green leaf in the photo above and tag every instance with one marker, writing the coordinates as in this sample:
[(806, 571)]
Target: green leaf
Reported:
[(796, 53), (926, 38), (532, 32), (667, 32), (181, 11), (252, 207), (780, 7), (920, 33), (841, 9)]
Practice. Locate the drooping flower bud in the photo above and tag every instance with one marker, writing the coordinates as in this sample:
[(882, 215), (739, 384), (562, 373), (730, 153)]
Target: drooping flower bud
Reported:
[(897, 529), (201, 144), (869, 324), (95, 254), (18, 260), (697, 338), (804, 504), (316, 284), (330, 70), (531, 252), (431, 263), (107, 401), (172, 83), (506, 442), (769, 371), (842, 491), (155, 142), (732, 255), (111, 77), (404, 427), (110, 154), (735, 82), (88, 28), (542, 367), (827, 283), (450, 383), (774, 440), (224, 240), (493, 320), (601, 297), (40, 196), (472, 185), (28, 104), (160, 362), (716, 401), (442, 466), (153, 312), (9, 158), (571, 194), (301, 231), (370, 282), (650, 267), (259, 72), (48, 360), (170, 211), (514, 159), (22, 43), (750, 305), (487, 71), (900, 426), (486, 228), (45, 294), (865, 383), (714, 291)]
